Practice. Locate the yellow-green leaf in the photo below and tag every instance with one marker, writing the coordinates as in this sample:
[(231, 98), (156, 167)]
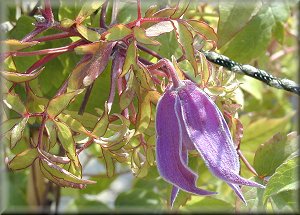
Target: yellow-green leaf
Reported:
[(17, 132), (66, 139), (14, 102), (117, 32), (59, 103), (185, 39), (141, 37), (67, 23), (143, 77), (90, 48), (24, 159), (87, 33), (62, 176), (15, 45), (21, 77), (109, 163), (203, 29), (101, 126), (89, 7), (8, 125), (131, 57), (74, 124)]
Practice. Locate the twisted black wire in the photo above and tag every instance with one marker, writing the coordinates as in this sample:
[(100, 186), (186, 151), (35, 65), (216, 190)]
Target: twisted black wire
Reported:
[(253, 72)]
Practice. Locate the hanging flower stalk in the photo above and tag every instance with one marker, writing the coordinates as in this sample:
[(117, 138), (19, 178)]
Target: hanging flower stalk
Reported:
[(187, 119)]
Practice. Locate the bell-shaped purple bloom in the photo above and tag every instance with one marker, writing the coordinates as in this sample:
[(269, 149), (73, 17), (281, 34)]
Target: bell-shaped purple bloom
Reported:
[(187, 119)]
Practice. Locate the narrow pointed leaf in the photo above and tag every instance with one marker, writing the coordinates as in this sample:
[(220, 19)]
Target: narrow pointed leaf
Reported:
[(144, 113), (185, 39), (102, 124), (23, 160), (87, 33), (98, 63), (181, 7), (141, 37), (17, 132), (159, 28), (126, 98), (88, 8), (52, 134), (143, 77), (13, 101), (15, 45), (66, 139), (203, 29), (21, 77), (8, 125), (78, 74), (59, 103), (90, 48), (63, 176), (131, 58), (109, 164), (74, 124), (117, 32)]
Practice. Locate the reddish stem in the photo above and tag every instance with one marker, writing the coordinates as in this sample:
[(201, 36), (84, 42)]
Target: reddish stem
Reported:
[(139, 11), (48, 11), (63, 49), (56, 36)]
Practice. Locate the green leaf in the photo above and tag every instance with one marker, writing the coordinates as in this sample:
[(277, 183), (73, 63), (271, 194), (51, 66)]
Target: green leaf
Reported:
[(88, 120), (262, 130), (74, 124), (144, 112), (141, 37), (21, 77), (181, 8), (102, 124), (131, 58), (139, 200), (87, 9), (272, 153), (260, 29), (208, 204), (126, 98), (117, 32), (77, 75), (109, 163), (67, 23), (143, 77), (252, 86), (285, 202), (17, 132), (185, 39), (87, 33), (235, 15), (8, 125), (66, 139), (203, 29), (18, 32), (61, 176), (284, 179), (24, 159), (15, 45), (159, 28), (14, 102), (90, 48), (97, 64), (52, 134), (59, 103), (254, 198)]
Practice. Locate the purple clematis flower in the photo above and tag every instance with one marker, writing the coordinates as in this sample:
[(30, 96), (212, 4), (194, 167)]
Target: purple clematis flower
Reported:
[(187, 119)]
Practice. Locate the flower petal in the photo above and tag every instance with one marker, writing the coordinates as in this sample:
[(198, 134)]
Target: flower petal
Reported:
[(210, 134), (169, 159)]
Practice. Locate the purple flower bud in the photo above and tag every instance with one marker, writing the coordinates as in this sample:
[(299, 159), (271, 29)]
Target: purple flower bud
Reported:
[(188, 119)]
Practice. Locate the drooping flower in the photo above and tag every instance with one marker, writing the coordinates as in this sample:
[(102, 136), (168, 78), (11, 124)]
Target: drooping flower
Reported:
[(187, 119)]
